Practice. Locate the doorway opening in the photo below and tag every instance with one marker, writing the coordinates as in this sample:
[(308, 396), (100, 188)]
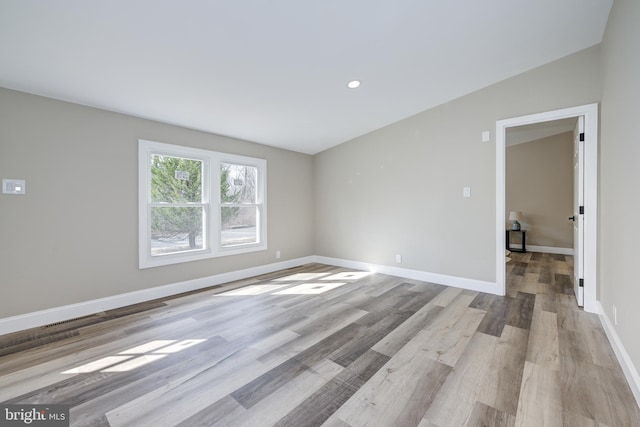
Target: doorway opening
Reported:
[(589, 113)]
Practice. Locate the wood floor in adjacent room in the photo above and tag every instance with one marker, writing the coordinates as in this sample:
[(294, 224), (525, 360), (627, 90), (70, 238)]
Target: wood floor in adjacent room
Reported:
[(320, 345)]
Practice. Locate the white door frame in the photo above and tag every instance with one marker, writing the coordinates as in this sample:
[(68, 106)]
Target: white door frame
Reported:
[(590, 113)]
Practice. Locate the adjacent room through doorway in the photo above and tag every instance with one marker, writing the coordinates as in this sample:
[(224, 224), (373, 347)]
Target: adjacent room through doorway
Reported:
[(539, 187), (579, 201)]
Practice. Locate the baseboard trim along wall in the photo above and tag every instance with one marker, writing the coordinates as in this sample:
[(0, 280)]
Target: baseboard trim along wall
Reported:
[(550, 250), (73, 311), (440, 279), (630, 371)]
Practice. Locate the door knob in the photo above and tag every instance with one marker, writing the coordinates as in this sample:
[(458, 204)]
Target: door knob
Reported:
[(572, 218)]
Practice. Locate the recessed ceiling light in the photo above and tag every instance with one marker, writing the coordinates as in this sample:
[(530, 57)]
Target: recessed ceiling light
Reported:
[(353, 84)]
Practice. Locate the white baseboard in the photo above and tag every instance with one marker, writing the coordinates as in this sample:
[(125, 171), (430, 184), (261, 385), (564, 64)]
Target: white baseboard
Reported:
[(441, 279), (630, 371), (86, 308), (550, 250), (72, 311)]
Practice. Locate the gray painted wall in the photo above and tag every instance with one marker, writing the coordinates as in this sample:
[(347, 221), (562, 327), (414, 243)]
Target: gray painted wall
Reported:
[(398, 190), (74, 236), (620, 173), (539, 183)]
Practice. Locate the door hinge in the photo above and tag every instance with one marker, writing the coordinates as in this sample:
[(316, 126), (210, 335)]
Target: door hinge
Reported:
[(582, 136), (581, 283), (581, 210)]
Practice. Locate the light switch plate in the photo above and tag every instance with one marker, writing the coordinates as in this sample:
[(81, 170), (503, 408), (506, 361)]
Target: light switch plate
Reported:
[(13, 186), (466, 191), (486, 136)]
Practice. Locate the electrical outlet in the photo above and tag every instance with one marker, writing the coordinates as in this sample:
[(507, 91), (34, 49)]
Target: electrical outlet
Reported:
[(466, 191), (615, 315), (277, 254), (399, 259)]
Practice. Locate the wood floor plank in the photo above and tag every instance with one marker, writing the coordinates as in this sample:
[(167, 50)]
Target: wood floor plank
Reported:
[(543, 348), (227, 407), (317, 408), (520, 311), (335, 422), (518, 268), (348, 353), (279, 403), (502, 382), (540, 401), (528, 284), (398, 394), (407, 303), (310, 336), (34, 341), (483, 301), (595, 392), (564, 283), (256, 390), (572, 348), (400, 336), (546, 274), (496, 318), (376, 350), (445, 297), (458, 395), (484, 416), (336, 316), (546, 301), (397, 295), (536, 256), (573, 420), (446, 344), (601, 352)]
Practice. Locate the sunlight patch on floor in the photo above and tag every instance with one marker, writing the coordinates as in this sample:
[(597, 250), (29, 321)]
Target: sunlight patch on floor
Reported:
[(348, 275), (251, 290), (97, 365), (148, 347), (310, 289), (301, 277), (313, 287), (134, 363), (135, 357)]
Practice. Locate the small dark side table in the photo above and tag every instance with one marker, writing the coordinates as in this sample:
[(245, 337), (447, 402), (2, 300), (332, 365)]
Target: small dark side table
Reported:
[(524, 241)]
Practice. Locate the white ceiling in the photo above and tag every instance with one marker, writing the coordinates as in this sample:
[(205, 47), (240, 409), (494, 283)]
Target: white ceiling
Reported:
[(275, 71)]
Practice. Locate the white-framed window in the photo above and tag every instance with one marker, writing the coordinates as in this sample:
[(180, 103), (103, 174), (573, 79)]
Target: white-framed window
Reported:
[(241, 207), (196, 204)]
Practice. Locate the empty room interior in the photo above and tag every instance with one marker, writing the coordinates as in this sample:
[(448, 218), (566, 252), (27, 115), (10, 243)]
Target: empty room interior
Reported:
[(293, 213)]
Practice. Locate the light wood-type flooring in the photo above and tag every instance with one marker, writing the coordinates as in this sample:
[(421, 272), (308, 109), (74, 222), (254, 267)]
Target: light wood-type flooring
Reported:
[(321, 345)]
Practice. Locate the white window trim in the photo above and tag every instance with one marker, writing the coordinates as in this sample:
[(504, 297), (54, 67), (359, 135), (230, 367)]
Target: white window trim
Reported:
[(211, 198), (261, 204)]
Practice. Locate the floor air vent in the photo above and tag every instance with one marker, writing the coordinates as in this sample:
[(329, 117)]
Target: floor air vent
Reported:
[(67, 321)]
